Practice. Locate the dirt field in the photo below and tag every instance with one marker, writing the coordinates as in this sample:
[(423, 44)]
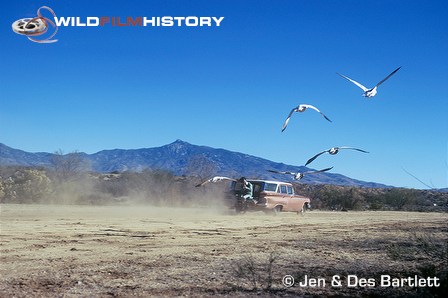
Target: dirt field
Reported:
[(71, 251)]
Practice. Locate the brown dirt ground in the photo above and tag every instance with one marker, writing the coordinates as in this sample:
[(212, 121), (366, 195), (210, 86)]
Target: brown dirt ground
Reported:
[(100, 251)]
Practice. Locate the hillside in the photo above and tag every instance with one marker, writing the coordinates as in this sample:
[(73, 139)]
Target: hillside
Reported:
[(181, 158)]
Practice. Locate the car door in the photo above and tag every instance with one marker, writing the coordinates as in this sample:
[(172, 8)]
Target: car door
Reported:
[(284, 197)]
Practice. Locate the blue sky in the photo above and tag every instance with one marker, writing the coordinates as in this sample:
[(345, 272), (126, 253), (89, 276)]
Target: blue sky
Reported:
[(232, 86)]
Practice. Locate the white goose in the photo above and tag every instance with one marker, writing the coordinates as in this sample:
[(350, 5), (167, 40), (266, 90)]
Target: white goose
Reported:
[(372, 91), (332, 151), (215, 179), (301, 108), (300, 175)]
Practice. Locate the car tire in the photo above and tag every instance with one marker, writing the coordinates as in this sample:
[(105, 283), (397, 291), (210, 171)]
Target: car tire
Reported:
[(277, 209), (240, 209)]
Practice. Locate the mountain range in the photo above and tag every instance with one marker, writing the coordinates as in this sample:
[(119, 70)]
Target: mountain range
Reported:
[(182, 158)]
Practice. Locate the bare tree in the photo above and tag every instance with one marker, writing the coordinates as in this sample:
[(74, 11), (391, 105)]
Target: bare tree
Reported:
[(68, 166)]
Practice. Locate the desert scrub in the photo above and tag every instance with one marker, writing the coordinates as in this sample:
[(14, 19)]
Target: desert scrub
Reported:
[(430, 253), (257, 274)]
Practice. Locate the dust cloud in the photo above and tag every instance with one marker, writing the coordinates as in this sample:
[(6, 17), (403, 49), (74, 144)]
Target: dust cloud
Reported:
[(152, 188)]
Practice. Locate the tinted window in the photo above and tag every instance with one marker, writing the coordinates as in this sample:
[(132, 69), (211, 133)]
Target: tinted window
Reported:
[(283, 188), (290, 191), (257, 187), (270, 187), (236, 186)]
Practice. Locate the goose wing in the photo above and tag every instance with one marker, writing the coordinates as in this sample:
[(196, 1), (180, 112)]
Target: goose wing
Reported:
[(354, 82), (319, 171), (345, 147), (287, 119), (279, 172), (315, 156), (391, 74), (214, 180), (317, 110)]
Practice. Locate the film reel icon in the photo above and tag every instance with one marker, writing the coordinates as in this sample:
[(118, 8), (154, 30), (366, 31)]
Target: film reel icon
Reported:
[(29, 27), (36, 26)]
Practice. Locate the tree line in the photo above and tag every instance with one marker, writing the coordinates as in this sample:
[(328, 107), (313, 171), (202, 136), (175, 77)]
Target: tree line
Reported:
[(344, 198), (69, 181)]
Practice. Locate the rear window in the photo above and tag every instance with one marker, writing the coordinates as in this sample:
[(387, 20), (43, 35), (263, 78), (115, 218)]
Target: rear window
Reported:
[(283, 188), (290, 190), (235, 186), (270, 187)]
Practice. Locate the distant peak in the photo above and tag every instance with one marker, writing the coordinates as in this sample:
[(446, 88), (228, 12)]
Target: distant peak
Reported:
[(179, 142)]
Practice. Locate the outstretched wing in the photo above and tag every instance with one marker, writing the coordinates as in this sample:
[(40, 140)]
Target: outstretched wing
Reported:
[(391, 74), (287, 119), (315, 156), (345, 147), (316, 109), (278, 172), (313, 172), (354, 82), (214, 180)]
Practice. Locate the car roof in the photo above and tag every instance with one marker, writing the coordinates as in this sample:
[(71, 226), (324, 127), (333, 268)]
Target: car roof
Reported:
[(269, 181)]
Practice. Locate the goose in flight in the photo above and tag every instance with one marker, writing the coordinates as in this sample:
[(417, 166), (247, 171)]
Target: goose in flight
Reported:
[(215, 179), (298, 176), (372, 91), (301, 108), (332, 151)]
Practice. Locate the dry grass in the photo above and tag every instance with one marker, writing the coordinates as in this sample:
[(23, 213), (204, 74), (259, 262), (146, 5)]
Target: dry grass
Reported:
[(49, 250)]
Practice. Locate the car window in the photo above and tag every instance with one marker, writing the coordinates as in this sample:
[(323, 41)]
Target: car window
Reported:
[(237, 186), (270, 187), (290, 190), (283, 189)]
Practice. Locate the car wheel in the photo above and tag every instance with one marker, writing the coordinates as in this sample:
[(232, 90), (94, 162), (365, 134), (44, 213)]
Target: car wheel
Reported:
[(277, 209), (239, 211), (240, 208), (305, 207)]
